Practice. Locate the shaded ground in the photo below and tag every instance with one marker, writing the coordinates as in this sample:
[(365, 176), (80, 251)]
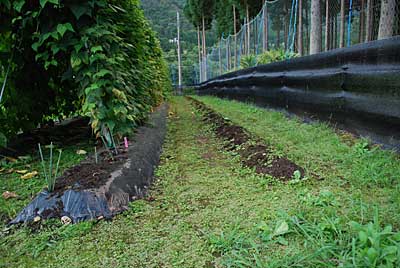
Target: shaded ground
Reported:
[(66, 133), (207, 210)]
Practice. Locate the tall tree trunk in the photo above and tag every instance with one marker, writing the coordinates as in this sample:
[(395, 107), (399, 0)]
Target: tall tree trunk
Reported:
[(248, 29), (244, 37), (327, 24), (300, 29), (255, 28), (200, 53), (220, 59), (362, 22), (265, 34), (285, 25), (332, 32), (316, 27), (386, 22), (307, 44), (369, 20), (285, 32), (228, 49), (342, 20), (335, 39), (235, 32), (278, 37), (204, 49)]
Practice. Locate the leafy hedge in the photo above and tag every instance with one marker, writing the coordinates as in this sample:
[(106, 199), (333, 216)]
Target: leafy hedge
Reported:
[(96, 57)]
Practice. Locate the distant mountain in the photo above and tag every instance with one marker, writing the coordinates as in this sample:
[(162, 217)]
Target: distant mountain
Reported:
[(162, 16)]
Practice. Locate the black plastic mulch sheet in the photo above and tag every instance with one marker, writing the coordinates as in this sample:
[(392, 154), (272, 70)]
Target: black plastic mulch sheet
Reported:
[(128, 182)]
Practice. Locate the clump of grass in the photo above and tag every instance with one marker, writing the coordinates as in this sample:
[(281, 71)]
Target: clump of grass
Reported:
[(51, 175)]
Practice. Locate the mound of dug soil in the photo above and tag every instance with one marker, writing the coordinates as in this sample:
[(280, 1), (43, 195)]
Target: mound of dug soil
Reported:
[(253, 151)]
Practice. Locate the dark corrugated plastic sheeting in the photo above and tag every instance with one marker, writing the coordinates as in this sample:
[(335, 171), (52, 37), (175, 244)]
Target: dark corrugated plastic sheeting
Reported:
[(357, 88)]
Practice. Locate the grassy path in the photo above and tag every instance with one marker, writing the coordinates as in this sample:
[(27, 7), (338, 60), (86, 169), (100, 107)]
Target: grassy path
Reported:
[(206, 210), (200, 192)]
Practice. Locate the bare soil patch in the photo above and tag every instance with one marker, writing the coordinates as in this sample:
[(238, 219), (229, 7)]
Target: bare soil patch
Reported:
[(253, 151)]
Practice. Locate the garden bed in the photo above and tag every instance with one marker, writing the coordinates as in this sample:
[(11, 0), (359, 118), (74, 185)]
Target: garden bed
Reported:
[(93, 190), (253, 151)]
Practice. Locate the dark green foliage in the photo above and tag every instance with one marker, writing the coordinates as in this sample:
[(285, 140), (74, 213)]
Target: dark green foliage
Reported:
[(197, 10), (162, 15), (275, 55), (224, 17), (254, 7), (99, 58), (248, 61)]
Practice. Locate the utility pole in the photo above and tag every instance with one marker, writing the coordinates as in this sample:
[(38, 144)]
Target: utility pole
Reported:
[(179, 53)]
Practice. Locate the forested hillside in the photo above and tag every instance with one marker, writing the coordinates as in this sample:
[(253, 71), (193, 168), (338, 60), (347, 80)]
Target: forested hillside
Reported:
[(162, 15)]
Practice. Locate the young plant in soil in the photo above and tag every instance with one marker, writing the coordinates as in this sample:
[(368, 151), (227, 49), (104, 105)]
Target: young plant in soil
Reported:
[(51, 175)]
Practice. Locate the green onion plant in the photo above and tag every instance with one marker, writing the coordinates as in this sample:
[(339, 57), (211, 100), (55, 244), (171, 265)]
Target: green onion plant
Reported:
[(51, 175)]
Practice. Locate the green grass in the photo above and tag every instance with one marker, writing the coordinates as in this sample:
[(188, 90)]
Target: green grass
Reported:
[(209, 211), (315, 146), (359, 177)]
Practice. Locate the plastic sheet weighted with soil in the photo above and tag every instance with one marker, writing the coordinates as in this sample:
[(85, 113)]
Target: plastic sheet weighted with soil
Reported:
[(127, 179)]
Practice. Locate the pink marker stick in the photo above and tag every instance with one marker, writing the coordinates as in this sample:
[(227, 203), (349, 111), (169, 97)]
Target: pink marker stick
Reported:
[(126, 142)]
